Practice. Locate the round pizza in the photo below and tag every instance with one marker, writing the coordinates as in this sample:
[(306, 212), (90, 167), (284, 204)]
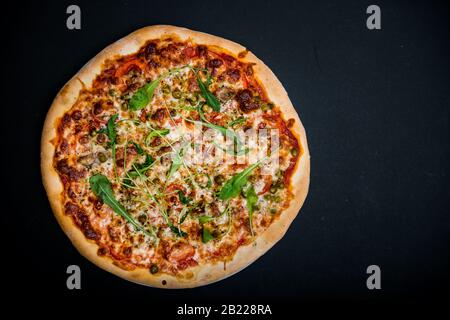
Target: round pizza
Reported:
[(174, 158)]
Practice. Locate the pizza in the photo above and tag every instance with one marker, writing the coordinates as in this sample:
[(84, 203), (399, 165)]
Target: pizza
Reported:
[(174, 158)]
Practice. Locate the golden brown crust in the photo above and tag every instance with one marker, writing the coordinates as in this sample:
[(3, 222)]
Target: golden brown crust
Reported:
[(199, 275)]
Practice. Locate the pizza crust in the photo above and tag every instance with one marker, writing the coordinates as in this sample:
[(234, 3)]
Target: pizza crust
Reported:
[(200, 275)]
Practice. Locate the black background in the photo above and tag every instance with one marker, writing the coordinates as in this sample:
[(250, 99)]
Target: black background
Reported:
[(376, 107)]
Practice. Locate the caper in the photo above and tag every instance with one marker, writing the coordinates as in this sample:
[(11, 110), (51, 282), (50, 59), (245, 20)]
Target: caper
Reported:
[(264, 106), (154, 269), (193, 100), (124, 106), (294, 152), (101, 157), (206, 108), (219, 179), (176, 94), (280, 184), (270, 105), (273, 211), (267, 197), (273, 189), (112, 92), (276, 199)]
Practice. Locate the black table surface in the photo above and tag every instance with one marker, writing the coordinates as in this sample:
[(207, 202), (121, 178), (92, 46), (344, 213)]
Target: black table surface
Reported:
[(376, 108)]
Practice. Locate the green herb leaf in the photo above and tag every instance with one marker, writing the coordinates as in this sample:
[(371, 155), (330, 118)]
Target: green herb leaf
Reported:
[(211, 99), (112, 134), (139, 100), (178, 231), (101, 187), (204, 219), (184, 216), (138, 148), (237, 121), (177, 161), (156, 133), (252, 198), (138, 169), (183, 198), (144, 95), (111, 128), (234, 186), (206, 235)]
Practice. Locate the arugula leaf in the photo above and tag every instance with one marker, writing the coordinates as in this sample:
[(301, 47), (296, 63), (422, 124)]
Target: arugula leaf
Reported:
[(231, 150), (112, 134), (138, 169), (211, 99), (206, 235), (224, 131), (177, 161), (204, 219), (101, 187), (183, 198), (174, 229), (144, 95), (184, 216), (111, 128), (252, 198), (139, 149), (177, 231), (233, 186), (237, 121), (154, 133)]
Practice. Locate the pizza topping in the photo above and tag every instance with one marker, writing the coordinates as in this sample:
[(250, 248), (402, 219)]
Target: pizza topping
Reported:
[(128, 155)]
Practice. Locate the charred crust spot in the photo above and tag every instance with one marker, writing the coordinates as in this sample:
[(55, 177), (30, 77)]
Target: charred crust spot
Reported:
[(102, 251), (202, 51), (65, 120), (215, 63), (242, 54), (246, 101), (290, 122), (127, 251), (69, 172), (159, 115), (77, 115), (81, 220), (234, 75), (98, 109)]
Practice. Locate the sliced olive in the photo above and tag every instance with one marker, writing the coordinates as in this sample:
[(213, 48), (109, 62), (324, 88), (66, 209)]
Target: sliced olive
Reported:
[(154, 269), (101, 157), (193, 100), (176, 94)]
